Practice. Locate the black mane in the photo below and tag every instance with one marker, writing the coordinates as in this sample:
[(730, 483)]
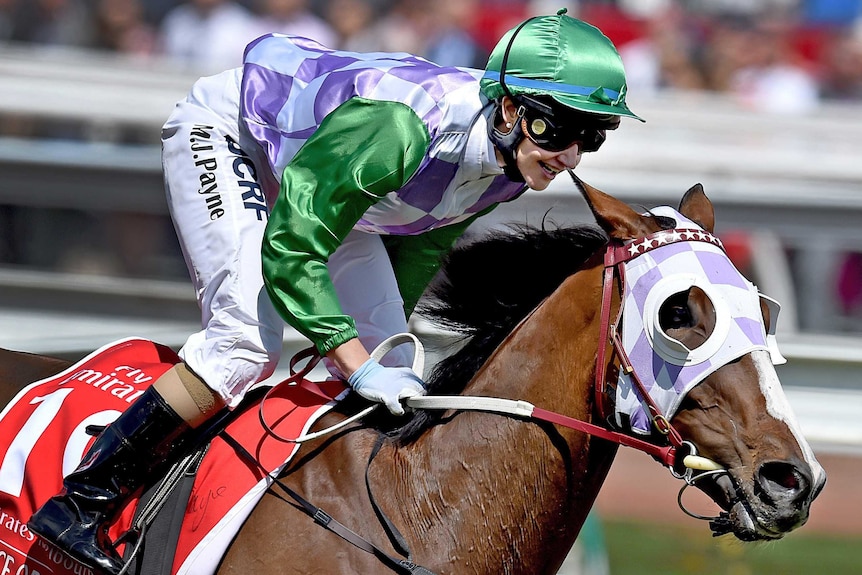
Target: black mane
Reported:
[(486, 287)]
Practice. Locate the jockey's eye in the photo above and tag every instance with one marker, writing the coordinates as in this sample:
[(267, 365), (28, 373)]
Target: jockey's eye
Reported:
[(675, 313)]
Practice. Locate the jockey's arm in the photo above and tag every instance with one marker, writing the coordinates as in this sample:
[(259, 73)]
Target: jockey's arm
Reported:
[(416, 259), (361, 151)]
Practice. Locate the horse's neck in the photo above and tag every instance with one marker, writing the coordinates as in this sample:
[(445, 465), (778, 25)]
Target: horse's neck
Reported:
[(522, 489), (549, 359)]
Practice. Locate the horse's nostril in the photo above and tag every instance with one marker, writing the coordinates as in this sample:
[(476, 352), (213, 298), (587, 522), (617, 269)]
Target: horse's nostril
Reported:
[(782, 480), (781, 474)]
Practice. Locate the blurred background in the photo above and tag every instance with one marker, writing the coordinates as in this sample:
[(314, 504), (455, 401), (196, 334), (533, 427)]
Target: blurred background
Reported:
[(758, 100)]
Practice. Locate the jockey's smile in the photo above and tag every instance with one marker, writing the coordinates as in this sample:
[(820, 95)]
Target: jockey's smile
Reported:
[(539, 166)]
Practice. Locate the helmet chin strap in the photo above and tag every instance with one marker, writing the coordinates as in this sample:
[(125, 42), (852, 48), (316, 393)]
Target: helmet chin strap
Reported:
[(507, 143)]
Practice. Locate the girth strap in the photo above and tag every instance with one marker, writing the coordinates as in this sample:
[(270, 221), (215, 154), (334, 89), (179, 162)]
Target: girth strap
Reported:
[(322, 518), (395, 536)]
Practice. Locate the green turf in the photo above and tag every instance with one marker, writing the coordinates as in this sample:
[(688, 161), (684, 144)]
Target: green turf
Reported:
[(641, 549)]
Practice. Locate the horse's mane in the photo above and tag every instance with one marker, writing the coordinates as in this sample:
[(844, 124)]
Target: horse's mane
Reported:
[(486, 287)]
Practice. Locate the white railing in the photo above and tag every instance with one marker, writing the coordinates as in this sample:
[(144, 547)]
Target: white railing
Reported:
[(90, 87)]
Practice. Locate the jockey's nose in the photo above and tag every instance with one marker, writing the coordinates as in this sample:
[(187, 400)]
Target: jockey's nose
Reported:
[(571, 156)]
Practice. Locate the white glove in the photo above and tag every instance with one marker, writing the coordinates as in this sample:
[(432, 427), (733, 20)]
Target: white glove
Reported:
[(386, 385)]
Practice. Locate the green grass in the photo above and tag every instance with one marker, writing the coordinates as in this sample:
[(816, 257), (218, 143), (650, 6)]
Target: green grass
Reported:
[(642, 549)]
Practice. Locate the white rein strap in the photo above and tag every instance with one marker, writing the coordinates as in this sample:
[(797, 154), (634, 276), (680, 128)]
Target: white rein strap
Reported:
[(472, 403)]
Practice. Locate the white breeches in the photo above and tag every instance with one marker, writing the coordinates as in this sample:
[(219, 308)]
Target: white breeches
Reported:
[(220, 216)]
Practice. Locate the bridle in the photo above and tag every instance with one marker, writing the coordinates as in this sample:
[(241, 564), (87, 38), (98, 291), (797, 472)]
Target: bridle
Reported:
[(678, 455)]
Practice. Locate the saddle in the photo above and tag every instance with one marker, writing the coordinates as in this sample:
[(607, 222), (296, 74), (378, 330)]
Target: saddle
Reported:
[(190, 518)]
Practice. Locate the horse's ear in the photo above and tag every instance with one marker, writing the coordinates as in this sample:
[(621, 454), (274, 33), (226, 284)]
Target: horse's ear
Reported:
[(615, 217), (697, 207)]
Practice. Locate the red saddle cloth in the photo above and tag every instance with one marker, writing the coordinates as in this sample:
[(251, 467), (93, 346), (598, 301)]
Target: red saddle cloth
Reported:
[(43, 436)]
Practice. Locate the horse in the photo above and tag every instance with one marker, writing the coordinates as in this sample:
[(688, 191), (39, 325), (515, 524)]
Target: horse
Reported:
[(543, 315)]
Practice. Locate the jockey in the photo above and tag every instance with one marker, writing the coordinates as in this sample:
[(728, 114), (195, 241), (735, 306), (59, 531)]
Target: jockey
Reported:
[(321, 188)]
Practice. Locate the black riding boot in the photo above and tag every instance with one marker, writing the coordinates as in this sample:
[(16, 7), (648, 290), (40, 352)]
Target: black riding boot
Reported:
[(136, 448)]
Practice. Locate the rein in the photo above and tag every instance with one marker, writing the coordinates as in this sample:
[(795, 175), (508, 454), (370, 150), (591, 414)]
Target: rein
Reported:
[(679, 456), (666, 454)]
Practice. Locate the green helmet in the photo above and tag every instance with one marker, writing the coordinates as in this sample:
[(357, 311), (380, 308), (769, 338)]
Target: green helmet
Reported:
[(558, 56)]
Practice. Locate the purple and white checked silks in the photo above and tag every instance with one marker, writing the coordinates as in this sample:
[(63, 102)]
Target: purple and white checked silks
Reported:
[(666, 367), (290, 84)]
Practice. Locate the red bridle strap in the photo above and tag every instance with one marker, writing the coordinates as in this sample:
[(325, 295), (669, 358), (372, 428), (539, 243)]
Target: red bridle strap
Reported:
[(616, 255), (604, 339), (665, 455)]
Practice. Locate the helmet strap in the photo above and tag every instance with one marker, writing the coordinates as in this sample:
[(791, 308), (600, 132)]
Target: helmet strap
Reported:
[(507, 142)]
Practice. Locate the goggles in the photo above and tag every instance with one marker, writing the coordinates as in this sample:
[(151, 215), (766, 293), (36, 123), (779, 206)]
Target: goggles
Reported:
[(555, 132)]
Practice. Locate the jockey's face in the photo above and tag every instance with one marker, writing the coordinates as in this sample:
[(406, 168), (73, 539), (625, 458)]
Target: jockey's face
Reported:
[(539, 166), (550, 145)]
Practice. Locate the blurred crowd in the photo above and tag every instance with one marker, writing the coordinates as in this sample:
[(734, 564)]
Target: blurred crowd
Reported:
[(783, 55)]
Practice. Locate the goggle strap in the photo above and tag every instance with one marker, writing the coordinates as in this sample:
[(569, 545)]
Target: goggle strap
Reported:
[(537, 106)]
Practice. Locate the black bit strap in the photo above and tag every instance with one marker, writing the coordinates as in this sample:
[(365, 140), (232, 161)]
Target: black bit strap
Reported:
[(322, 518)]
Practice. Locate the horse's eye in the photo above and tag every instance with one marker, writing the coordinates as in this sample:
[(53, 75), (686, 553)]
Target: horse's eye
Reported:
[(675, 313)]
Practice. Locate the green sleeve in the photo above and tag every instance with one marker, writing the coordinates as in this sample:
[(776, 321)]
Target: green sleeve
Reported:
[(416, 259), (362, 150)]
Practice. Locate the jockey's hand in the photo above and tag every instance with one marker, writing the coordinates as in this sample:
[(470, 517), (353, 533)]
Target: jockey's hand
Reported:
[(386, 385)]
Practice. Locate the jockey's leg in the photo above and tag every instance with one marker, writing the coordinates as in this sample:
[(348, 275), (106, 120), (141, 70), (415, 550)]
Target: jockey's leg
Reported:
[(155, 432), (217, 206)]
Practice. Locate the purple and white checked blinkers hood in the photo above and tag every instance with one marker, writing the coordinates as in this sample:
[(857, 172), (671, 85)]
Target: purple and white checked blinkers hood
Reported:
[(665, 366)]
